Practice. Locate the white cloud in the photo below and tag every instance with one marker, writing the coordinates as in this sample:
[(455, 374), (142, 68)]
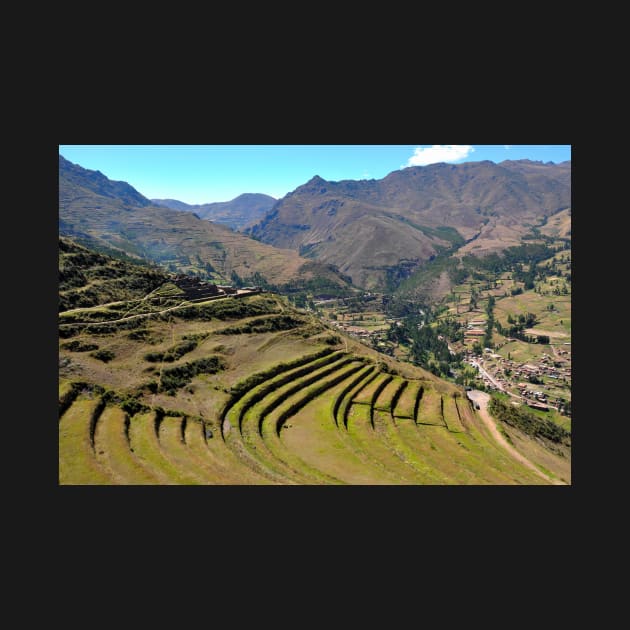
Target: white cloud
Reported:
[(507, 147), (439, 153)]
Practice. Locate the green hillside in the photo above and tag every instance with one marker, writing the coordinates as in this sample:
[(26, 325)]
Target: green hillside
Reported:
[(87, 278), (249, 390)]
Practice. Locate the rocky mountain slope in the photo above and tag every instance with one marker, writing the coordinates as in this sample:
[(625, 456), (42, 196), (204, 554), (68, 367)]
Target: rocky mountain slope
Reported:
[(377, 229)]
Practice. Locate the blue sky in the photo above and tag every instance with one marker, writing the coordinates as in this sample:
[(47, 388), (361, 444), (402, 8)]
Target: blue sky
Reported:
[(204, 173)]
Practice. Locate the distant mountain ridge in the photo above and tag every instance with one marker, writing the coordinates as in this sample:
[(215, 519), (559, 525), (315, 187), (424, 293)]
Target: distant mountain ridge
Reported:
[(244, 210), (373, 229), (99, 212)]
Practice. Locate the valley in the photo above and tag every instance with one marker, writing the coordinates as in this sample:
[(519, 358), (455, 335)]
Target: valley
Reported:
[(394, 331)]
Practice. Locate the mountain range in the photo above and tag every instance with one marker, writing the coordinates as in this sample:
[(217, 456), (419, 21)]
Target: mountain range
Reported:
[(240, 212), (376, 233), (371, 228), (114, 217)]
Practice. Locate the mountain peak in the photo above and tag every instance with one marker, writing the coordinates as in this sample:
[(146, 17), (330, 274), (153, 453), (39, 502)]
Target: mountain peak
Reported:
[(96, 182), (314, 185), (316, 179)]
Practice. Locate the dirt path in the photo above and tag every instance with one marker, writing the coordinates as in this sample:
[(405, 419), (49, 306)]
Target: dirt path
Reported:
[(124, 319), (129, 317), (481, 398)]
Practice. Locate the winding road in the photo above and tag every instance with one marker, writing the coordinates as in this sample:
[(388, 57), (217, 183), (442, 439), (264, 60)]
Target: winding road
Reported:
[(481, 399)]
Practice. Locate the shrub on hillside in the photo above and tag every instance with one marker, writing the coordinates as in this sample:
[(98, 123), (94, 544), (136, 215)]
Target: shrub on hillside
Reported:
[(332, 340), (176, 377), (139, 335), (173, 353), (78, 299), (196, 337), (103, 355), (383, 367), (133, 406), (264, 324), (79, 346), (71, 278)]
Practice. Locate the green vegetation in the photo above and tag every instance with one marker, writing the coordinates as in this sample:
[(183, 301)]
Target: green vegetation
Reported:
[(427, 343), (528, 422), (176, 377), (487, 340), (173, 353), (109, 328), (77, 345), (229, 308), (145, 335), (103, 355), (87, 278), (265, 324)]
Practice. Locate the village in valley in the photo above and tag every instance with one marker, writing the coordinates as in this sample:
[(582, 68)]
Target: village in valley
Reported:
[(533, 368), (543, 384)]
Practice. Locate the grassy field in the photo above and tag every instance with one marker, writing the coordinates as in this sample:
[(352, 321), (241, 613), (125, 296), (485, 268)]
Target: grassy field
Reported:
[(523, 352), (407, 402), (556, 322), (77, 460)]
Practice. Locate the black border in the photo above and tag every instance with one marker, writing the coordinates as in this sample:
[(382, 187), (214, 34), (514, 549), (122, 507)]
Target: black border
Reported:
[(379, 516)]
